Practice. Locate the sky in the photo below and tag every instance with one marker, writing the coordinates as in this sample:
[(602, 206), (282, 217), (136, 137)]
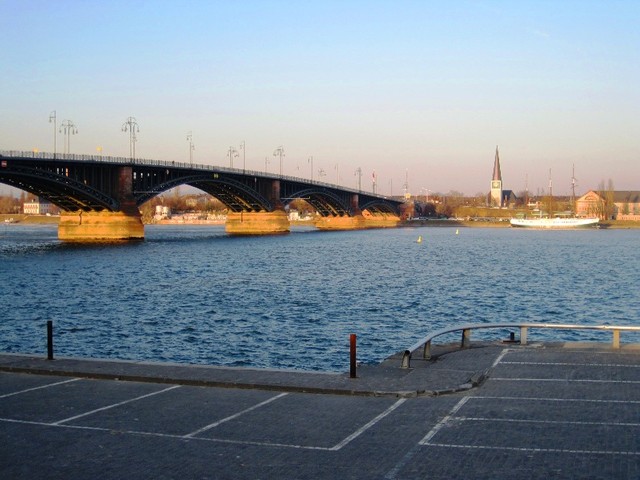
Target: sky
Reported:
[(422, 91)]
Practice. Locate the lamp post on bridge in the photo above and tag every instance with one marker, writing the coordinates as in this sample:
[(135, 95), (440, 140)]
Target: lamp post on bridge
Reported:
[(53, 119), (358, 173), (279, 152), (131, 126), (266, 164), (243, 147), (231, 153), (68, 128), (191, 147), (310, 160)]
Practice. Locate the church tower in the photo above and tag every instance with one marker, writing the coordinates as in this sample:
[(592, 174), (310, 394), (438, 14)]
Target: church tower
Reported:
[(495, 198)]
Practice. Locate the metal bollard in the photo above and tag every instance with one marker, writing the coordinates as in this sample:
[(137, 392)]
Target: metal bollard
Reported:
[(49, 340), (352, 343)]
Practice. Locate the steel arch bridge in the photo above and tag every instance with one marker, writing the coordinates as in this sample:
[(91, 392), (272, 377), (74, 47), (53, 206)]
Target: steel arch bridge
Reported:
[(89, 183)]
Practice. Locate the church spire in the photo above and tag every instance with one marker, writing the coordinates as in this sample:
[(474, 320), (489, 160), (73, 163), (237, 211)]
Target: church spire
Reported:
[(495, 197), (497, 175)]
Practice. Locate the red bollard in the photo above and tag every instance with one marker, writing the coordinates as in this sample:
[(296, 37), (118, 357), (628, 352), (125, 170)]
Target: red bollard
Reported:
[(352, 342)]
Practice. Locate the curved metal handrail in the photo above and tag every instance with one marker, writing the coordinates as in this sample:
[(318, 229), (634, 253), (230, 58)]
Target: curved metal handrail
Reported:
[(466, 334)]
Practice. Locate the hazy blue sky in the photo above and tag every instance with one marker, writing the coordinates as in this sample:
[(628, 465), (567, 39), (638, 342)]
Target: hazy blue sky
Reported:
[(428, 87)]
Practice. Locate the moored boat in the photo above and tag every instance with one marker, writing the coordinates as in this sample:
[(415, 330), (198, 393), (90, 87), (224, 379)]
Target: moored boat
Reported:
[(554, 223)]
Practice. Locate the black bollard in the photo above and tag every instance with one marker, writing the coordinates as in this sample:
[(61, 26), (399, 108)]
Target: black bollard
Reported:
[(352, 342), (49, 340)]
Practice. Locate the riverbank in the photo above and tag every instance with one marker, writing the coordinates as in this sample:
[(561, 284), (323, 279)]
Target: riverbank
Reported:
[(29, 219), (504, 223), (478, 223)]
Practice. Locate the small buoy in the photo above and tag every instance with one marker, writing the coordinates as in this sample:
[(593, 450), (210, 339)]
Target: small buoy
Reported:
[(419, 239), (456, 231)]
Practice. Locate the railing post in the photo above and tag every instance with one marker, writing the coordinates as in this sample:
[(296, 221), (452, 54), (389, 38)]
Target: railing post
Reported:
[(406, 359), (523, 335), (466, 338), (426, 354), (616, 339)]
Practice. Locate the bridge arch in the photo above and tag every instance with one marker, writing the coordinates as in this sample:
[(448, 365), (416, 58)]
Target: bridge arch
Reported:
[(378, 206), (59, 188), (325, 202), (235, 195)]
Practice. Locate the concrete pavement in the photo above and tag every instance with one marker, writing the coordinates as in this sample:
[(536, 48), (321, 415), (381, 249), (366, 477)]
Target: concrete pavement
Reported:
[(494, 411)]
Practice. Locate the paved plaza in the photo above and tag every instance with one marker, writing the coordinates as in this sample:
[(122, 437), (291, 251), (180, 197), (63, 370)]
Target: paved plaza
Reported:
[(507, 411)]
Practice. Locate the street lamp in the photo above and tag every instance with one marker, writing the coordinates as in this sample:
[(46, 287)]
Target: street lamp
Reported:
[(279, 152), (358, 173), (53, 119), (68, 128), (243, 147), (131, 126), (266, 164), (231, 153), (310, 160), (191, 147), (337, 174)]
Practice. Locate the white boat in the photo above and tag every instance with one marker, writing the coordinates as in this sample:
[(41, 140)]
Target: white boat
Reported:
[(555, 223)]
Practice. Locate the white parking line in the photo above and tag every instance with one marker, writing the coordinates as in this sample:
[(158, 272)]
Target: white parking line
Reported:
[(444, 421), (568, 364), (535, 450), (408, 457), (500, 357), (231, 417), (59, 422), (191, 436), (550, 399), (427, 440), (563, 380), (38, 388), (366, 427), (546, 422)]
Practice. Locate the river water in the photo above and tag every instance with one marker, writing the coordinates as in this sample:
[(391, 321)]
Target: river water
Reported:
[(192, 294)]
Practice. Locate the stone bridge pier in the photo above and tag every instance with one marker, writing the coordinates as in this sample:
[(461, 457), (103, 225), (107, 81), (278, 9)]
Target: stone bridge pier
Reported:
[(260, 223), (104, 226)]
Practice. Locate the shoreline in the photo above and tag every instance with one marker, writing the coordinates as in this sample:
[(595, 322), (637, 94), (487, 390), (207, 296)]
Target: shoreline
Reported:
[(10, 219)]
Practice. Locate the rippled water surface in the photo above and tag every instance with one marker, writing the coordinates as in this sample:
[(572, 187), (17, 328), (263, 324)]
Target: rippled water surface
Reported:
[(195, 295)]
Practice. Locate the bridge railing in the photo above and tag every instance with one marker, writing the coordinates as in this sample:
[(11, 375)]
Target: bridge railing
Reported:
[(425, 343), (97, 158)]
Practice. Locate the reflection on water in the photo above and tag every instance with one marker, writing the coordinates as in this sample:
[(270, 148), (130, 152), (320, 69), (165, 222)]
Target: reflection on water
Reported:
[(192, 294)]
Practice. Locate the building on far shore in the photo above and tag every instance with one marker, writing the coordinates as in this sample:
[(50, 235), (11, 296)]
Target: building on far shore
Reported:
[(39, 206), (498, 197), (626, 205)]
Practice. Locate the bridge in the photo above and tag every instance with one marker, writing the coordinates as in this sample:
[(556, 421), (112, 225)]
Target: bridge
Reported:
[(100, 196)]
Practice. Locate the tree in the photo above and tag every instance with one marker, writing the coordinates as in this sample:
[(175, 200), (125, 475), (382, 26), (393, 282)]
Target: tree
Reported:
[(608, 206), (301, 206), (9, 204)]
